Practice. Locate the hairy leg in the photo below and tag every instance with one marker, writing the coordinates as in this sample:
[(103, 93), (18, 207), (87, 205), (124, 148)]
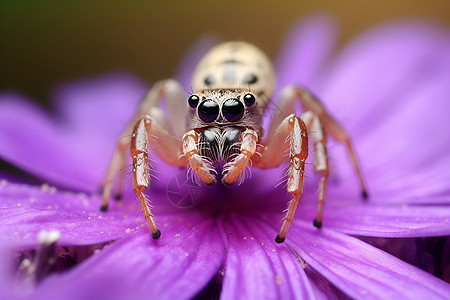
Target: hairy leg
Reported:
[(200, 165), (317, 133), (309, 102), (294, 130), (234, 169), (173, 93), (140, 143)]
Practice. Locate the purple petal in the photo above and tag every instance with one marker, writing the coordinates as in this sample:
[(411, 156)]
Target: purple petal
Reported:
[(257, 268), (360, 270), (413, 165), (396, 162), (100, 107), (27, 210), (304, 51), (179, 264), (379, 67), (7, 176), (32, 142), (192, 57), (398, 128), (73, 154), (6, 281), (399, 221)]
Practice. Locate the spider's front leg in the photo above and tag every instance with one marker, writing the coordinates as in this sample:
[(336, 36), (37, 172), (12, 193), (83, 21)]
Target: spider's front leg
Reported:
[(317, 132), (116, 165), (235, 168), (171, 148), (232, 170), (294, 128), (309, 102), (151, 122), (141, 169), (173, 93), (200, 165)]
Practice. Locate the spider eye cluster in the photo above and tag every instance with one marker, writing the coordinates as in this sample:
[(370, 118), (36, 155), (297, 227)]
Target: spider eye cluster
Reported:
[(232, 109), (249, 100), (208, 111), (193, 101)]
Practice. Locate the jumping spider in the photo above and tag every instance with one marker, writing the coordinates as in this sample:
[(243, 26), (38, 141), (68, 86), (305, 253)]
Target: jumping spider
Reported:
[(232, 86)]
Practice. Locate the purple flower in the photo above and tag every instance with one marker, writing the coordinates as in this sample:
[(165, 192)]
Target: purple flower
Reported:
[(389, 88)]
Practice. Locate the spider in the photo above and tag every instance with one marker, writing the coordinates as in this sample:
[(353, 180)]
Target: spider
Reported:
[(222, 122)]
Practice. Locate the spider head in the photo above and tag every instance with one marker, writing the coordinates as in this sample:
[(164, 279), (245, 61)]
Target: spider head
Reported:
[(224, 107)]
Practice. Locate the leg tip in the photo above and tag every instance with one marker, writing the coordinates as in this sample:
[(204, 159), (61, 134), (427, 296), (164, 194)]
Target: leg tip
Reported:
[(279, 239), (212, 182), (318, 224), (104, 207), (118, 197), (365, 195), (224, 182), (156, 234)]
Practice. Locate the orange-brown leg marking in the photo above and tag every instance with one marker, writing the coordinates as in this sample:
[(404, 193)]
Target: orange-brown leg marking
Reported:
[(141, 176), (317, 133), (298, 155), (120, 179), (309, 102), (355, 165), (322, 189), (339, 134), (170, 148), (198, 164), (235, 168), (333, 128), (117, 166)]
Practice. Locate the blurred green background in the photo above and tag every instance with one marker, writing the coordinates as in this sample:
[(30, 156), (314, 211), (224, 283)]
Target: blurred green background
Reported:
[(43, 43)]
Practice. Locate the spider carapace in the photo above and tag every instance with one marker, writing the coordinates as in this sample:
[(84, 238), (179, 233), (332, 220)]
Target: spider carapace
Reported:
[(222, 121)]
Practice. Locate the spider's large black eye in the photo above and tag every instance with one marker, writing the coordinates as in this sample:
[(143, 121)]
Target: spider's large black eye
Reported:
[(193, 101), (233, 110), (249, 100), (208, 111)]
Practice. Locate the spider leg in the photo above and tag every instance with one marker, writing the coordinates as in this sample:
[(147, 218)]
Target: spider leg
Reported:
[(197, 163), (170, 151), (233, 170), (120, 179), (292, 128), (172, 92), (117, 164), (316, 131), (309, 102), (141, 169)]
